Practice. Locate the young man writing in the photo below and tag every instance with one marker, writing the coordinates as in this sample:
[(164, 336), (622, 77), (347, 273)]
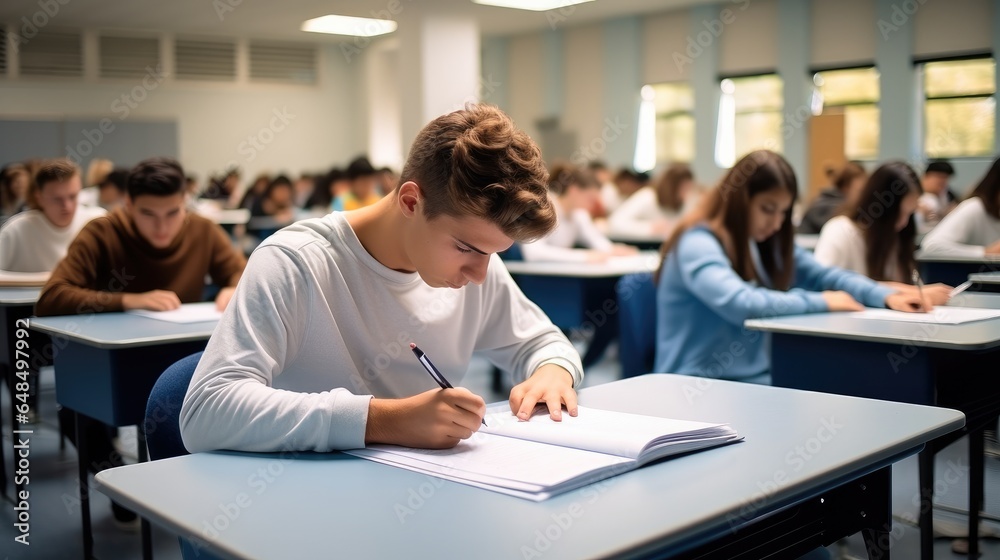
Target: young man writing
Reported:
[(312, 354), (150, 254)]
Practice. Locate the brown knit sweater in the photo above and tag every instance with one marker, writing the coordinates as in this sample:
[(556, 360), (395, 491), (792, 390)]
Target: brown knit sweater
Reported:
[(109, 257)]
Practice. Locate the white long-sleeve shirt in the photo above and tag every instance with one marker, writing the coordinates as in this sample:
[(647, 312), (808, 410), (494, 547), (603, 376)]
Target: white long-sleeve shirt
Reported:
[(30, 243), (841, 244), (318, 326), (575, 228), (639, 213), (965, 232)]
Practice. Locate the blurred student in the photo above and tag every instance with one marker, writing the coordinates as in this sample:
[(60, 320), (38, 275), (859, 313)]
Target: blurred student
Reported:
[(255, 191), (363, 190), (303, 188), (112, 190), (623, 185), (223, 188), (972, 229), (573, 192), (846, 181), (97, 171), (387, 180), (652, 211), (734, 259), (274, 209), (938, 199), (876, 236), (420, 260), (14, 181), (149, 254), (37, 239)]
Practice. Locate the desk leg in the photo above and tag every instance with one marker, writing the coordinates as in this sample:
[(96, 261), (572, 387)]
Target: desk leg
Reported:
[(147, 535), (976, 468), (926, 520), (81, 462)]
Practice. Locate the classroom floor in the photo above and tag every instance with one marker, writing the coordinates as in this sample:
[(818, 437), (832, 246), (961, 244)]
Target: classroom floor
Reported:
[(55, 514)]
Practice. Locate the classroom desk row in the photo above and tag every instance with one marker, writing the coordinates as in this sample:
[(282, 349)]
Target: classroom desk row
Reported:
[(107, 363)]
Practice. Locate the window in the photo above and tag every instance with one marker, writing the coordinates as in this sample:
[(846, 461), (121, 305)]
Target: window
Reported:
[(674, 108), (959, 108), (749, 117), (854, 93)]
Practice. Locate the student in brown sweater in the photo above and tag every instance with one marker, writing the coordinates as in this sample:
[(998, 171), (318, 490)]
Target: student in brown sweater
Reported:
[(150, 254)]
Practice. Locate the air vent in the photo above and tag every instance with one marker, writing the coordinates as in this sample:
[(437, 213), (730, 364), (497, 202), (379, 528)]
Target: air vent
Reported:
[(204, 60), (283, 62), (3, 50), (128, 57), (52, 53)]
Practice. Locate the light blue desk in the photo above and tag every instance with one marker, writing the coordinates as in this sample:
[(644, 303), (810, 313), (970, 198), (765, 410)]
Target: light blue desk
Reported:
[(105, 367), (953, 270), (953, 366), (742, 498), (15, 304)]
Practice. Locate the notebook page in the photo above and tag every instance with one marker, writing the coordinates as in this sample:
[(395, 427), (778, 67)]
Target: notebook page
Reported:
[(499, 461), (186, 313), (943, 315), (602, 431)]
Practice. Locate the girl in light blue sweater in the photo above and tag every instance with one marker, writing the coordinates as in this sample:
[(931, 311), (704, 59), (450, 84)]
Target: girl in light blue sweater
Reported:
[(734, 259)]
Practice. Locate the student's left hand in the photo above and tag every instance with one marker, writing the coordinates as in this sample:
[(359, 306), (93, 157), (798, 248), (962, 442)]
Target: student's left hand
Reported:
[(222, 299), (550, 384), (908, 301)]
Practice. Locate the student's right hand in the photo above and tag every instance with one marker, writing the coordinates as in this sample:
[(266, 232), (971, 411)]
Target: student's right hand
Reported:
[(841, 301), (596, 257), (435, 419), (993, 249), (156, 300)]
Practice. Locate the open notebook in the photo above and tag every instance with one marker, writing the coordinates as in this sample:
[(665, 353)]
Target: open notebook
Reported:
[(541, 458), (944, 315), (186, 313)]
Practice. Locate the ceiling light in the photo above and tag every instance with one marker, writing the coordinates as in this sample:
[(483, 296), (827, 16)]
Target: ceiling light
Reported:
[(347, 25), (534, 5)]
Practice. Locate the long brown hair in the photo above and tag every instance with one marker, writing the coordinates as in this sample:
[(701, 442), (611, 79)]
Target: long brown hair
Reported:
[(756, 172), (668, 188), (876, 212), (989, 190), (842, 177)]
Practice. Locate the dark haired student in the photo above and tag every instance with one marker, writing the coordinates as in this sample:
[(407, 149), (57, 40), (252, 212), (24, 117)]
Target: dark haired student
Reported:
[(149, 254)]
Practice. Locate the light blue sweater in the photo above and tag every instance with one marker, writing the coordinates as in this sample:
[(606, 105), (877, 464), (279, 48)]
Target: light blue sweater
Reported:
[(702, 303)]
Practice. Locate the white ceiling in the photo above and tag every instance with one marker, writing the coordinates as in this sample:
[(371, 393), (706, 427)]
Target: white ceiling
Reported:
[(281, 19)]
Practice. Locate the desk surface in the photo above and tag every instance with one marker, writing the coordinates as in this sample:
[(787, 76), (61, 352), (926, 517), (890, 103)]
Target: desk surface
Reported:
[(121, 330), (985, 277), (18, 296), (977, 335), (976, 299), (644, 262), (284, 508), (987, 260)]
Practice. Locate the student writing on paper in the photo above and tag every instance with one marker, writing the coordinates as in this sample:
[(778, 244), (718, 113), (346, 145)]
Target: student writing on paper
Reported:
[(876, 234), (734, 259), (973, 228), (652, 211), (36, 240), (151, 254), (573, 192), (313, 352)]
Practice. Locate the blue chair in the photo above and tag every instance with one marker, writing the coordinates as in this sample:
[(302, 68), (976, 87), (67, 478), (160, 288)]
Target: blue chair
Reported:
[(163, 409), (636, 295), (163, 430)]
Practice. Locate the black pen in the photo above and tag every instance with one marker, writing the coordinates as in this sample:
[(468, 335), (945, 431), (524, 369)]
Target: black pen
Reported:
[(431, 369)]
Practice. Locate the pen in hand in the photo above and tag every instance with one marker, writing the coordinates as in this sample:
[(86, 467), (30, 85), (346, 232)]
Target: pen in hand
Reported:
[(431, 369), (919, 283)]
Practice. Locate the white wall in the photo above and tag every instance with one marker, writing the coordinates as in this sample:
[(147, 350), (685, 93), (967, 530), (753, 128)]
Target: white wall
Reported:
[(296, 128)]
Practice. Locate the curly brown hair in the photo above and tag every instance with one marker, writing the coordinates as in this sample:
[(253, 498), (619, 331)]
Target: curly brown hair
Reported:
[(475, 162)]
